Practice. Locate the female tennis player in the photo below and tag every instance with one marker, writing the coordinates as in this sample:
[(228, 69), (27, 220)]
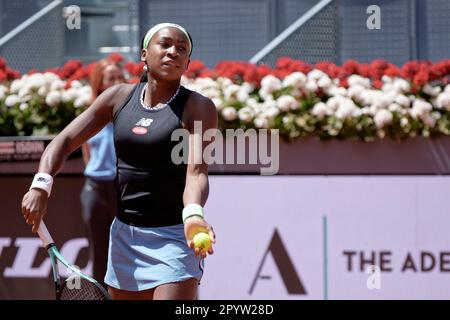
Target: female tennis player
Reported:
[(160, 203)]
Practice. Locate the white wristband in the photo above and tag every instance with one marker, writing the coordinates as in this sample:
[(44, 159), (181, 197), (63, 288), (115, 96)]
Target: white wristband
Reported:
[(43, 181), (192, 209)]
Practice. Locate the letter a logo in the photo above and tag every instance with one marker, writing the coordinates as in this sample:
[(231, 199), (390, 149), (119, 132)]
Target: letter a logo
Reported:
[(285, 266)]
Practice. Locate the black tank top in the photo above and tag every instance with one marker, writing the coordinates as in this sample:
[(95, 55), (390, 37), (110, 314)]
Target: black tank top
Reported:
[(150, 186)]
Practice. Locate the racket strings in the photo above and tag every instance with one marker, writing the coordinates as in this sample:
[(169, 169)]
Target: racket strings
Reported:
[(86, 290)]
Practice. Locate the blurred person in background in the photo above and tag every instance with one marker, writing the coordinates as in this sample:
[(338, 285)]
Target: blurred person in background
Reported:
[(98, 196)]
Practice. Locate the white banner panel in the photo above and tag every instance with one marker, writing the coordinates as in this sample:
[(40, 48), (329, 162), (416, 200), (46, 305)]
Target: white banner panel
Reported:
[(310, 237)]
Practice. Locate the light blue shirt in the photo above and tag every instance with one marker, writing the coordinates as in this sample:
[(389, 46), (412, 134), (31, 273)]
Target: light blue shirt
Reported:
[(102, 161)]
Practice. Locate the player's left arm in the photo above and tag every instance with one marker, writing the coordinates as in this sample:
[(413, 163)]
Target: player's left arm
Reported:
[(200, 117)]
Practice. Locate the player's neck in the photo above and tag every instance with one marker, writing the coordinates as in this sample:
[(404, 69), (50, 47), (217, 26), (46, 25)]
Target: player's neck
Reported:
[(160, 91)]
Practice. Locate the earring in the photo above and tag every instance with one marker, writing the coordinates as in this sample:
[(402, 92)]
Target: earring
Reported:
[(145, 68)]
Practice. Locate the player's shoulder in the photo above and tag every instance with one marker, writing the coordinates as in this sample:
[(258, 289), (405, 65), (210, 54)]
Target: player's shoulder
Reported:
[(122, 90)]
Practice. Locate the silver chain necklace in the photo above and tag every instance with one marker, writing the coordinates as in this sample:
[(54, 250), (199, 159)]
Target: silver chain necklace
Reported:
[(157, 107)]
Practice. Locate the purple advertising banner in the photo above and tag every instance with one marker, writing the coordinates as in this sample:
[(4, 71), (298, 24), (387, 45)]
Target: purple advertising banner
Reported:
[(279, 237), (309, 237)]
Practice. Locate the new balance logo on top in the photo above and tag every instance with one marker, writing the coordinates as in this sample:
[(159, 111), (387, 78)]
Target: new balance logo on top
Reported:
[(144, 122)]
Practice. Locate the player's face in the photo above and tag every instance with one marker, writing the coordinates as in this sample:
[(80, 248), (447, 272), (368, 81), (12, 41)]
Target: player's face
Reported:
[(112, 75), (167, 54)]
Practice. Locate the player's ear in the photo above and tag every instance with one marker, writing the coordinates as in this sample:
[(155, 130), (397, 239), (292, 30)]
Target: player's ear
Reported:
[(143, 55)]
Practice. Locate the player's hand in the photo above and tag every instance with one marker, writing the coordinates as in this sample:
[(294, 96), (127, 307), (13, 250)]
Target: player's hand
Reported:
[(34, 207), (194, 225)]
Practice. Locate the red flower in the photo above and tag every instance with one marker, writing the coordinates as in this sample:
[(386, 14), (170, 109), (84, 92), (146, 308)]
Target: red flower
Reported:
[(421, 78), (377, 84), (409, 69), (351, 67), (3, 76), (115, 57), (392, 71), (196, 67), (12, 74), (364, 70)]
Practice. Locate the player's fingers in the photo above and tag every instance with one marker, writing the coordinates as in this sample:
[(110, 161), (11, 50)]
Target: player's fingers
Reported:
[(37, 222), (190, 244), (211, 250), (212, 235)]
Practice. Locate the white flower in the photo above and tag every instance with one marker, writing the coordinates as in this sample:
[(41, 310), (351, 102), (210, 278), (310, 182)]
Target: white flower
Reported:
[(229, 113), (211, 92), (355, 79), (394, 107), (443, 101), (23, 106), (245, 114), (50, 77), (311, 86), (230, 92), (252, 103), (42, 91), (248, 87), (382, 101), (429, 121), (3, 91), (270, 83), (35, 80), (319, 110), (333, 102), (12, 100), (401, 85), (263, 93), (294, 80), (271, 113), (338, 91), (24, 91), (386, 79), (420, 109), (82, 101), (224, 82), (382, 118), (76, 84), (16, 85), (404, 122), (218, 103), (69, 95), (261, 122), (242, 95), (355, 91), (324, 82), (403, 100), (316, 74), (345, 109), (53, 98), (286, 103), (431, 91)]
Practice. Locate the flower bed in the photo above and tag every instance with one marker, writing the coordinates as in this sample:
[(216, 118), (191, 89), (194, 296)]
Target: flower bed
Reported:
[(355, 100)]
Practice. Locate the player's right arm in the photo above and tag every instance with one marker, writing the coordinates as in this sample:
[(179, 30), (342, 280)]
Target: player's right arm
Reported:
[(87, 124)]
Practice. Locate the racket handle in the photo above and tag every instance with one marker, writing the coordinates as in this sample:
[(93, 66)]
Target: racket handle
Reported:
[(45, 236)]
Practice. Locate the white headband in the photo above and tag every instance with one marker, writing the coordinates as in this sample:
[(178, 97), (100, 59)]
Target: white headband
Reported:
[(160, 26)]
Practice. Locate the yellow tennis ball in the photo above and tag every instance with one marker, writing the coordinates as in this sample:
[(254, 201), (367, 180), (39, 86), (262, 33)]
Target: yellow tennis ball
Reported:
[(202, 240)]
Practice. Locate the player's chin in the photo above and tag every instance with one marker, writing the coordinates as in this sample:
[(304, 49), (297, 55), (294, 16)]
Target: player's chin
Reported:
[(170, 75)]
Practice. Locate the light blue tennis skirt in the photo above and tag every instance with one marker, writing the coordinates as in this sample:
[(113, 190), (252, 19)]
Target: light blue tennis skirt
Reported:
[(144, 258)]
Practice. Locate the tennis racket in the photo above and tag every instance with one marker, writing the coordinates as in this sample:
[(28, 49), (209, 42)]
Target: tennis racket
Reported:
[(78, 286)]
